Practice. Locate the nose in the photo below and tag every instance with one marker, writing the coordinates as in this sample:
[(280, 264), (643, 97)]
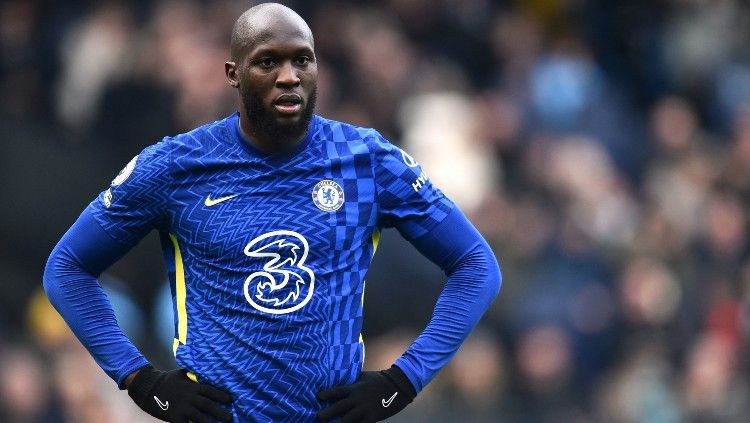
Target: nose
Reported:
[(287, 75)]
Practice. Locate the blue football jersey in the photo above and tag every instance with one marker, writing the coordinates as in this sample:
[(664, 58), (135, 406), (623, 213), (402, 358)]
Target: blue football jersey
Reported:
[(267, 253)]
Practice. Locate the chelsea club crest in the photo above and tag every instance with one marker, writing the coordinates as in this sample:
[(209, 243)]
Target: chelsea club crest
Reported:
[(328, 196)]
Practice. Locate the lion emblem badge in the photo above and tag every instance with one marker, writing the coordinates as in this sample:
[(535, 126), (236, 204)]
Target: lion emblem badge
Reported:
[(328, 195)]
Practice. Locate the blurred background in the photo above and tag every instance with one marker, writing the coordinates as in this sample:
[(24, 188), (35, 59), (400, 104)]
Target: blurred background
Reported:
[(602, 148)]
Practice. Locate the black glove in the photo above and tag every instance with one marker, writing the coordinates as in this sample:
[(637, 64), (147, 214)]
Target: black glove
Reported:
[(171, 396), (373, 397)]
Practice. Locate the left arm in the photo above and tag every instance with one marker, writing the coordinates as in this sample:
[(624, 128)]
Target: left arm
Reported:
[(407, 200), (474, 280)]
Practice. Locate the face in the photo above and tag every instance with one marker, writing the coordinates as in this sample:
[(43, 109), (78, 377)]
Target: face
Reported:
[(277, 80)]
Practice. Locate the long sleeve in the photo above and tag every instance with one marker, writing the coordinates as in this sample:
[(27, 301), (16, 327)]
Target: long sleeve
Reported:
[(70, 280), (474, 281)]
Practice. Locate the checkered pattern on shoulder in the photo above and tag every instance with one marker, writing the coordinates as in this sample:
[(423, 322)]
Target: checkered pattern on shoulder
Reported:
[(406, 197)]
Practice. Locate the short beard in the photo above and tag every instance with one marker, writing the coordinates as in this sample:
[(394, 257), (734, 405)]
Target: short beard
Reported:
[(263, 122)]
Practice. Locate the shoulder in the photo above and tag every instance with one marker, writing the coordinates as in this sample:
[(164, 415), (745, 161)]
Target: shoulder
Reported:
[(210, 133), (152, 157), (347, 138), (338, 132), (161, 154), (197, 144)]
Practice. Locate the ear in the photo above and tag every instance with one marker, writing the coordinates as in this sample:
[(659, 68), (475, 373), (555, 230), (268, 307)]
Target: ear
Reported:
[(230, 69)]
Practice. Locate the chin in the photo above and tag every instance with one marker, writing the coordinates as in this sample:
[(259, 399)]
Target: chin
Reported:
[(266, 119), (282, 119)]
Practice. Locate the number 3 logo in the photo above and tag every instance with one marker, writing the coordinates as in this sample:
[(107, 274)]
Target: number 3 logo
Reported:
[(285, 284)]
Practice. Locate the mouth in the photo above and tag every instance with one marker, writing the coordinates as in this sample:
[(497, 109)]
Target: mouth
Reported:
[(288, 104)]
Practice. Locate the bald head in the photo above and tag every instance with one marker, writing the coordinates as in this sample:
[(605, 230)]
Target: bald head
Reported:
[(261, 23), (274, 70)]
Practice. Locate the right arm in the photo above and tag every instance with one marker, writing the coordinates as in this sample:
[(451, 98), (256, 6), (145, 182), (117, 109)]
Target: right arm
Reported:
[(135, 203), (70, 280)]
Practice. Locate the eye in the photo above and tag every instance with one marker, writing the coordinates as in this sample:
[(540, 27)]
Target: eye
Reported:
[(302, 60), (266, 62)]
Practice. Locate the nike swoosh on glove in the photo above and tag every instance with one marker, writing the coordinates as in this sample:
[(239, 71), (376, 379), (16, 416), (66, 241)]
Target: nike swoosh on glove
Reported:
[(375, 396), (171, 396)]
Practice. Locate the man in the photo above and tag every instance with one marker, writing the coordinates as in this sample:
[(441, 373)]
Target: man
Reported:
[(269, 219)]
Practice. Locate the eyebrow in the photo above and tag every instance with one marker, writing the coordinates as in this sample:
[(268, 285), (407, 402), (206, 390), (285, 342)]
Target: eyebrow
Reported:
[(275, 51)]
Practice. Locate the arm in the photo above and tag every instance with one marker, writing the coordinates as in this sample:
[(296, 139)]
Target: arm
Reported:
[(134, 204), (474, 280), (407, 200), (109, 227), (71, 285)]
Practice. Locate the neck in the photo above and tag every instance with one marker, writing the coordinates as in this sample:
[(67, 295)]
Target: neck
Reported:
[(269, 143)]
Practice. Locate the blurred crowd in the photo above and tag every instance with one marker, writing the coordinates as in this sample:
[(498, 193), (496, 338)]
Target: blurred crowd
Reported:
[(602, 148)]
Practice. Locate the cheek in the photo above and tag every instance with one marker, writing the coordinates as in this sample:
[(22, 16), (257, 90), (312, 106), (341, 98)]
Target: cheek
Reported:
[(310, 78), (251, 84), (246, 87), (243, 79)]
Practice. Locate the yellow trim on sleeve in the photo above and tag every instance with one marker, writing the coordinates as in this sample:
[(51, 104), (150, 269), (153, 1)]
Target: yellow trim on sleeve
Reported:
[(181, 299), (175, 344), (180, 294), (375, 241)]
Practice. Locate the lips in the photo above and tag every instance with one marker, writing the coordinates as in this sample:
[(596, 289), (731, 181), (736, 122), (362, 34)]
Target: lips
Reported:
[(288, 104)]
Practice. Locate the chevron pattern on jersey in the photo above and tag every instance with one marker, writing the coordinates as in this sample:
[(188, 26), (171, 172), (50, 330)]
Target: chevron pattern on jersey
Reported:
[(218, 197), (137, 203)]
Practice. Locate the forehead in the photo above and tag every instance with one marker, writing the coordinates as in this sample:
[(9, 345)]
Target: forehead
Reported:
[(279, 34), (279, 42)]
